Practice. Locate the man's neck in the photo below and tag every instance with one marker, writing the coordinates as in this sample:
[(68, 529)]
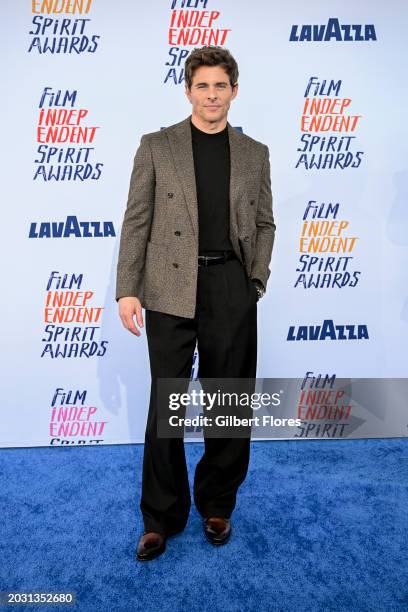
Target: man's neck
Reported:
[(208, 127)]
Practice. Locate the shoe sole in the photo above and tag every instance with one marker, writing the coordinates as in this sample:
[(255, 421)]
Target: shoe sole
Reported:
[(215, 543), (153, 555)]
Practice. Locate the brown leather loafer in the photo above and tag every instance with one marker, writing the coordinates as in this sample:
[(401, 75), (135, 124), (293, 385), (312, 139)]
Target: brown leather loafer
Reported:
[(150, 546), (217, 530)]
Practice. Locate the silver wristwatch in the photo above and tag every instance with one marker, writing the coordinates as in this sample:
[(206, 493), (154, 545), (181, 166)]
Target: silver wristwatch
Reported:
[(259, 287)]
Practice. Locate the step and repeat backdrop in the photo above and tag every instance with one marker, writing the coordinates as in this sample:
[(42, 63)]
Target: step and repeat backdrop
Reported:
[(322, 84)]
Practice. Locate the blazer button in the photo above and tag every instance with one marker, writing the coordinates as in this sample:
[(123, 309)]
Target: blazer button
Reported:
[(177, 233), (170, 194), (175, 265), (252, 202), (246, 238)]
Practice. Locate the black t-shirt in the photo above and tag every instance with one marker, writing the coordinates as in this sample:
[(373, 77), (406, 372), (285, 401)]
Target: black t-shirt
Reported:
[(212, 171)]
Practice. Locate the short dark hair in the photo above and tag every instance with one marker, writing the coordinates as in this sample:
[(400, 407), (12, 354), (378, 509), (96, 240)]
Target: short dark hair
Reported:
[(211, 55)]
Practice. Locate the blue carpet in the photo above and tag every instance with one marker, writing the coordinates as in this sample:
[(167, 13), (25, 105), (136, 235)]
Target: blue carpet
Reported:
[(319, 525)]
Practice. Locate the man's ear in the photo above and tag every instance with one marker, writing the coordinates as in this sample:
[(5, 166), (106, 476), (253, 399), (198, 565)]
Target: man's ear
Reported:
[(235, 90), (187, 92)]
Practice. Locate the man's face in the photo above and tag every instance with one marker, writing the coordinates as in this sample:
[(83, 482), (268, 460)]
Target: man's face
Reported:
[(211, 93)]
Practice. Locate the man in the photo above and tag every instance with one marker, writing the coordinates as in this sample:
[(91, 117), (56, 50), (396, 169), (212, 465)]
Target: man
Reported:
[(195, 249)]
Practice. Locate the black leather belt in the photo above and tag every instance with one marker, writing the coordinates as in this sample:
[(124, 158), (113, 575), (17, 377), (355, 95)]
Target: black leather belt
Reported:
[(210, 260)]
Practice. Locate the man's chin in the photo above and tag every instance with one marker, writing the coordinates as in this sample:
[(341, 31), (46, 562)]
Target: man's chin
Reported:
[(214, 117)]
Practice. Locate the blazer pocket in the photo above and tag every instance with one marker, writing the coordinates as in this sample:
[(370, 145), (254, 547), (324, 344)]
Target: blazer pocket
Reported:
[(156, 255)]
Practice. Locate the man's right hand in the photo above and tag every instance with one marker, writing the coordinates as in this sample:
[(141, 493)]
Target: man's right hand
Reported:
[(129, 306)]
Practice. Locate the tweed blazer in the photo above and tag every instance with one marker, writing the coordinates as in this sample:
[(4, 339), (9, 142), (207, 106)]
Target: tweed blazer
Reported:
[(158, 251)]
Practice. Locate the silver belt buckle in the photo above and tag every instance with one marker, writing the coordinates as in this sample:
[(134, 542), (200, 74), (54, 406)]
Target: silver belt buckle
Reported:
[(210, 257)]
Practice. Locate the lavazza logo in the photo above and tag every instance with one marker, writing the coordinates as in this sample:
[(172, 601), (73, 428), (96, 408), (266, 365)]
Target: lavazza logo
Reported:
[(328, 330), (333, 30), (71, 226)]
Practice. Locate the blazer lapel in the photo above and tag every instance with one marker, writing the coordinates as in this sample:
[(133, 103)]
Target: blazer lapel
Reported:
[(182, 150), (239, 160)]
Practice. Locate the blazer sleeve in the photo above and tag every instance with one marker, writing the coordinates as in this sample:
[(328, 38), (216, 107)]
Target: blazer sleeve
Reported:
[(265, 224), (136, 224)]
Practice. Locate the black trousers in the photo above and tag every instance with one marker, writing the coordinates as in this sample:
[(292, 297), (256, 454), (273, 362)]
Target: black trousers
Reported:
[(225, 329)]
